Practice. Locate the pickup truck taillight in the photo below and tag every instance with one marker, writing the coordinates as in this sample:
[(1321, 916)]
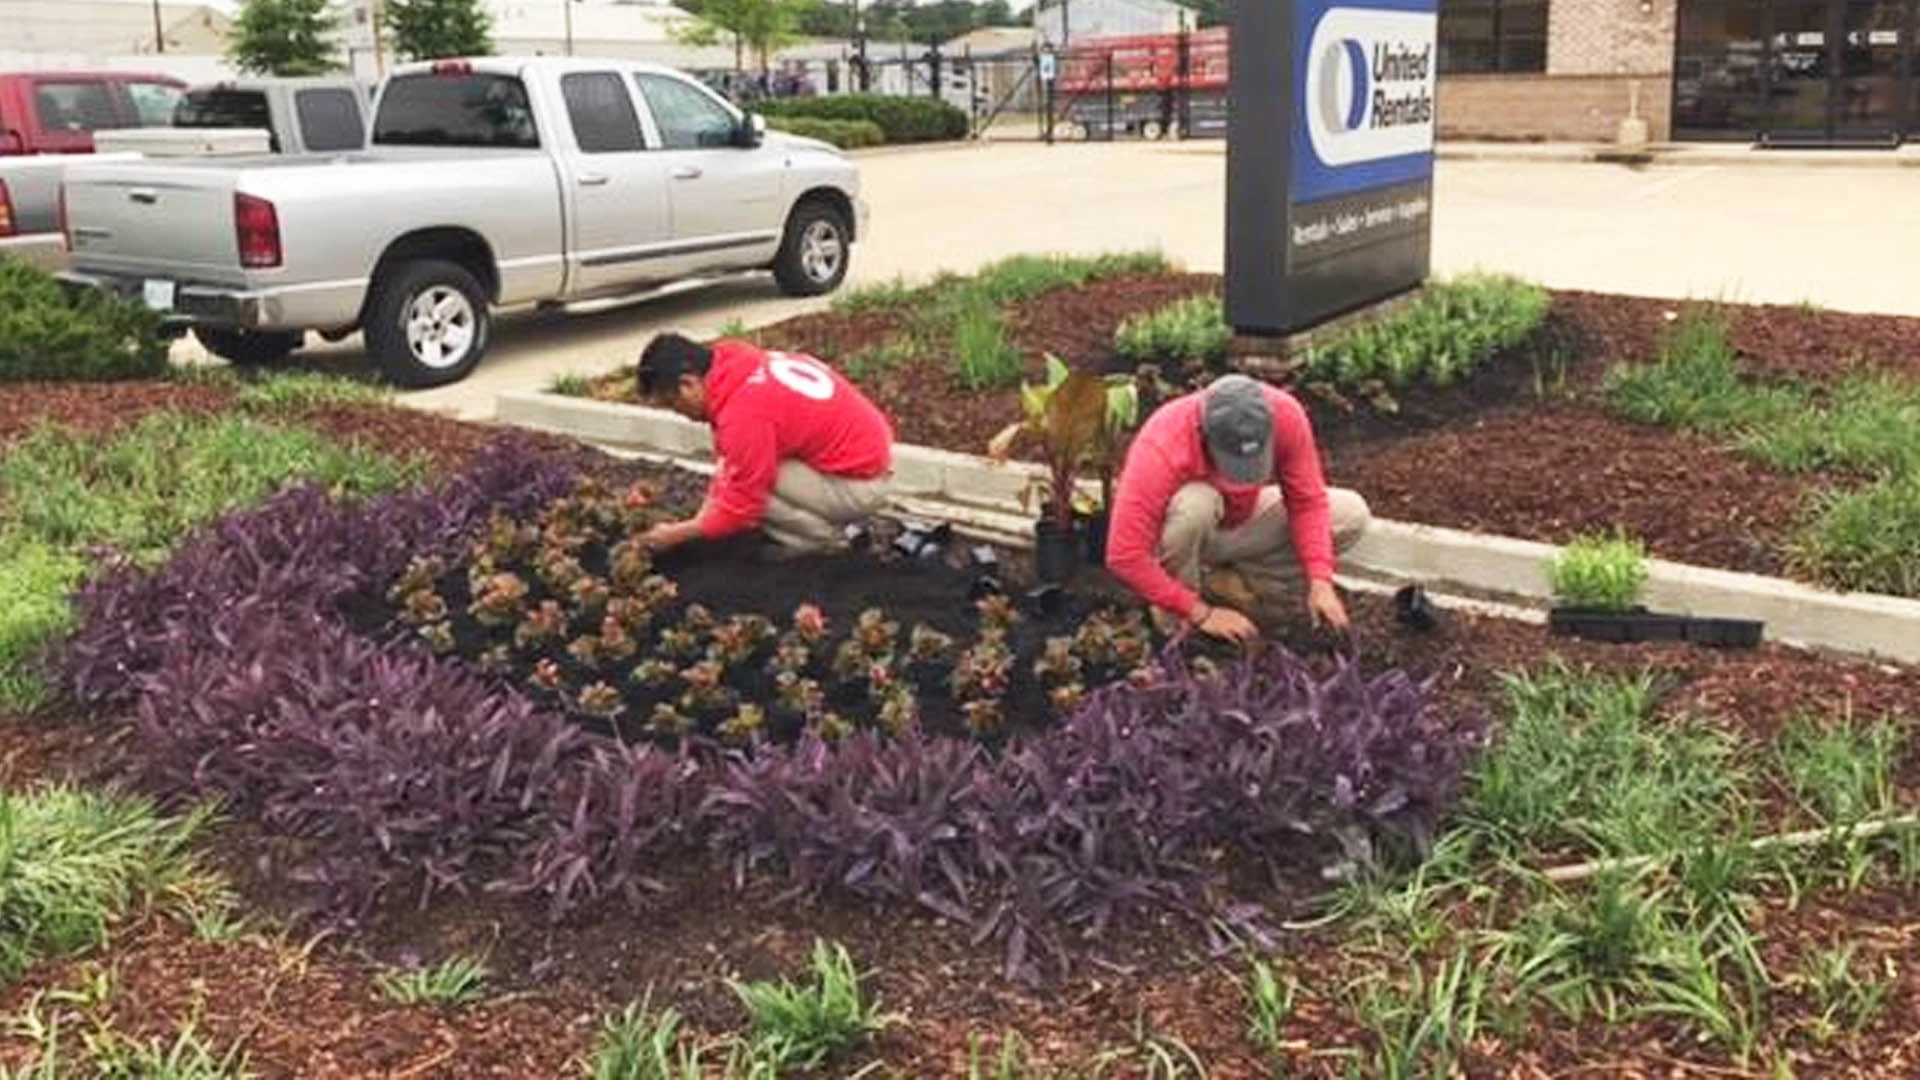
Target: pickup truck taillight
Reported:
[(257, 226), (7, 226)]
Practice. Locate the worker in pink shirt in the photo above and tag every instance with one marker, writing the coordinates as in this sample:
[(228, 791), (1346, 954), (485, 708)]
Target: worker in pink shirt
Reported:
[(1201, 530), (801, 453)]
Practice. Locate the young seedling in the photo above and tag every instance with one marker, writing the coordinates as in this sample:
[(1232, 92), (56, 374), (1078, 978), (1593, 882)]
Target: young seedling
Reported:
[(1599, 574), (1270, 1003), (455, 981), (641, 1044)]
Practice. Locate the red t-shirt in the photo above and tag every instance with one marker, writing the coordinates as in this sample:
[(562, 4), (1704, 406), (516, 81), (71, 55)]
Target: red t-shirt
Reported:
[(1168, 453), (770, 407)]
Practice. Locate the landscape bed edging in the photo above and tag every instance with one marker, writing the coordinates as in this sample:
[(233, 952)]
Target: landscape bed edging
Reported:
[(1478, 563)]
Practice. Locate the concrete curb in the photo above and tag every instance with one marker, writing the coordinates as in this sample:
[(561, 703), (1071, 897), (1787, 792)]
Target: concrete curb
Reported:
[(1676, 154), (984, 499)]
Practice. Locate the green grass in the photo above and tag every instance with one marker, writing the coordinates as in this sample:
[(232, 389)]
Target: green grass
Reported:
[(1865, 538), (186, 1057), (1421, 1021), (984, 357), (1598, 572), (292, 391), (73, 862), (571, 384), (1840, 774), (34, 581), (457, 980), (1583, 765), (1270, 1003), (799, 1026), (1192, 332)]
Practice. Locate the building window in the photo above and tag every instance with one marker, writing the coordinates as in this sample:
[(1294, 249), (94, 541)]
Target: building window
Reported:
[(1483, 37)]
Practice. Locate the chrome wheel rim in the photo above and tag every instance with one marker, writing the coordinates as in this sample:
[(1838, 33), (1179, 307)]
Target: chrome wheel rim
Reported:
[(441, 327), (821, 250)]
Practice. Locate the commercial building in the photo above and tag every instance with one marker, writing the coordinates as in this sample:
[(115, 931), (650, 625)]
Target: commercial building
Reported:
[(1776, 72)]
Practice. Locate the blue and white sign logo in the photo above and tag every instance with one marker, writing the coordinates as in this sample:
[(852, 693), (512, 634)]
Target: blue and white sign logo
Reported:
[(1369, 85), (1366, 94)]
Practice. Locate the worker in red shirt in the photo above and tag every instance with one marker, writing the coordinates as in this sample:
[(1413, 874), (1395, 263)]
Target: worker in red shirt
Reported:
[(1196, 510), (801, 453)]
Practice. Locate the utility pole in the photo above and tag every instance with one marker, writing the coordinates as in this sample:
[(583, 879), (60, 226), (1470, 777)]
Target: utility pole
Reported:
[(567, 6), (159, 34), (377, 12)]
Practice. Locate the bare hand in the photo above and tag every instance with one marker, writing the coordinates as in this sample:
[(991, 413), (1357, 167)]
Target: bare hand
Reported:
[(1227, 625), (1325, 605), (669, 535)]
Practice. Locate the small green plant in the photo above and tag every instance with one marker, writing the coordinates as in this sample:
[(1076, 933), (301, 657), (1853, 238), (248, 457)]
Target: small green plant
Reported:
[(1438, 339), (984, 358), (1270, 1003), (1867, 424), (215, 917), (72, 862), (1848, 1000), (1584, 766), (1422, 1024), (1009, 1062), (571, 384), (1693, 382), (641, 1044), (799, 1026), (1710, 978), (457, 980), (92, 336), (1866, 540), (1841, 774), (186, 1057), (34, 580), (1599, 573), (1191, 332)]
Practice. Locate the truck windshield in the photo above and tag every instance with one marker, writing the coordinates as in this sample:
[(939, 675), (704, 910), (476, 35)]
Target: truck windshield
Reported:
[(455, 110)]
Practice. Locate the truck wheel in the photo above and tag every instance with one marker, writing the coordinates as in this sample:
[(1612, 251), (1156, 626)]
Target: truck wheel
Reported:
[(248, 348), (429, 323), (1153, 131), (813, 256)]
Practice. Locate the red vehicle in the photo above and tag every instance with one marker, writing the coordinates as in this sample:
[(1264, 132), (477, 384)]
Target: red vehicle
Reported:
[(1147, 85), (57, 112)]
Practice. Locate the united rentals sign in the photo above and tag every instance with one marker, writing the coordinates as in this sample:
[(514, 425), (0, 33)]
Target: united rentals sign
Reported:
[(1329, 158)]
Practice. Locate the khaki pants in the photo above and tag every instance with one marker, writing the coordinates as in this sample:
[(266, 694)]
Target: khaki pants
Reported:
[(1260, 549), (809, 510)]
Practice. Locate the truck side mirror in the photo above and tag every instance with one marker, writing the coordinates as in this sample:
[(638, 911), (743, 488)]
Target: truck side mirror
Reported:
[(753, 130)]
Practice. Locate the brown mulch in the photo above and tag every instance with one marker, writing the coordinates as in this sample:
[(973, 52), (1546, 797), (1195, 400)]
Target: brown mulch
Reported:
[(1559, 470), (98, 408)]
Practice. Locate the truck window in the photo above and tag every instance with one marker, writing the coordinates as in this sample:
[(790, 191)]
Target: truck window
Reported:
[(154, 102), (227, 107), (688, 118), (75, 106), (330, 120), (602, 113), (470, 110)]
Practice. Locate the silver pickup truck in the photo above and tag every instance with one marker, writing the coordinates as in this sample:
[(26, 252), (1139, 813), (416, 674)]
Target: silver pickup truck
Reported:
[(487, 183)]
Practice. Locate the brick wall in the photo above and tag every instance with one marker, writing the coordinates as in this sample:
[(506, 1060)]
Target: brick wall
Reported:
[(1576, 108), (1610, 37)]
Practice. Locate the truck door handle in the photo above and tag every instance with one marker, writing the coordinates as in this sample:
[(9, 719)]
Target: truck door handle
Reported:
[(144, 196), (594, 180), (686, 172)]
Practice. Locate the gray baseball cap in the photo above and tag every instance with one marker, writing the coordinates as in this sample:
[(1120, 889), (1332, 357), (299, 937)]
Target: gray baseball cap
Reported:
[(1237, 423)]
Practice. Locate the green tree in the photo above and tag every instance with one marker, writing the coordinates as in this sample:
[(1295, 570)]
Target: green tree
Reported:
[(760, 25), (285, 37), (436, 29)]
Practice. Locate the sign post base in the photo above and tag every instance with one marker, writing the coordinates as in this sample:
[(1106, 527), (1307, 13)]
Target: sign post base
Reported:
[(1277, 358)]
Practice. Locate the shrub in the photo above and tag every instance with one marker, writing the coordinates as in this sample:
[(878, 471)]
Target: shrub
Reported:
[(1694, 382), (92, 336), (983, 356), (1443, 336), (1192, 331), (1601, 573), (845, 134), (72, 862), (900, 119)]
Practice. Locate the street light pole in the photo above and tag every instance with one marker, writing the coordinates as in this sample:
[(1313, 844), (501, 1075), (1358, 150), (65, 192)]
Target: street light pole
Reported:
[(159, 34), (567, 6)]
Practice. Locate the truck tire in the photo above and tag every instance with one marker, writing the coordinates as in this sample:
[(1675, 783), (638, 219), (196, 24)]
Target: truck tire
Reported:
[(249, 348), (429, 323), (814, 253)]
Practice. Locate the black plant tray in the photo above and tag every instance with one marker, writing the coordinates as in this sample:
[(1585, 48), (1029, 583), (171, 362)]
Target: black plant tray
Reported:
[(1624, 627)]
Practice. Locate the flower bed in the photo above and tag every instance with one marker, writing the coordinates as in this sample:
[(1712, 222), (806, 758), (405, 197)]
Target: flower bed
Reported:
[(1533, 439)]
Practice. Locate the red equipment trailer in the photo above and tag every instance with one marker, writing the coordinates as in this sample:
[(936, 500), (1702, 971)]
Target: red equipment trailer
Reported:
[(1151, 86)]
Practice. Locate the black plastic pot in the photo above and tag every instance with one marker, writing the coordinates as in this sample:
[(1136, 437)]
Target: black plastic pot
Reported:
[(1045, 600), (1056, 552), (1625, 627), (1094, 536), (1414, 610)]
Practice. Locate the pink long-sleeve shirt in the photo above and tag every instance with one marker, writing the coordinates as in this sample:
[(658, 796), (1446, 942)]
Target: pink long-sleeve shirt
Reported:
[(1169, 452)]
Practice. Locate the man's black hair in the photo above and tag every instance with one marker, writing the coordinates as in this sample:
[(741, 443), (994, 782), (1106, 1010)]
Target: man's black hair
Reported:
[(669, 357)]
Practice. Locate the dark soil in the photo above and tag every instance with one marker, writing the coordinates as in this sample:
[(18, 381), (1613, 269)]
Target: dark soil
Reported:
[(98, 408)]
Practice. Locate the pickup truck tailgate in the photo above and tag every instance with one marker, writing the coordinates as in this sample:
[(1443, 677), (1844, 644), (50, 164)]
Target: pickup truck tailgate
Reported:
[(134, 218)]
